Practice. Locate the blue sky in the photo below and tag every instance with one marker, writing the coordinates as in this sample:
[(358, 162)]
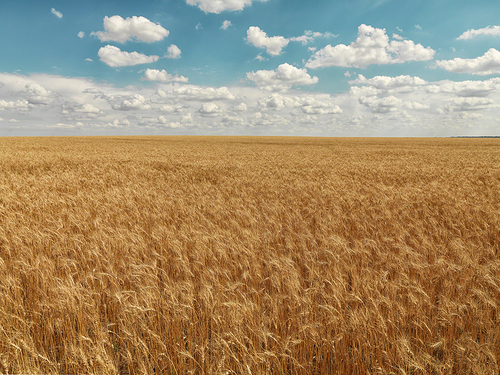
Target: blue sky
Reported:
[(275, 67)]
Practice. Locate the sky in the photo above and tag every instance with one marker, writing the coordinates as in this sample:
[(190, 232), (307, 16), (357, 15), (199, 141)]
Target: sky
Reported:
[(250, 67)]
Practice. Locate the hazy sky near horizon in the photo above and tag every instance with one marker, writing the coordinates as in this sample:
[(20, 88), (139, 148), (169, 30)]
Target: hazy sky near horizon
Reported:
[(256, 67)]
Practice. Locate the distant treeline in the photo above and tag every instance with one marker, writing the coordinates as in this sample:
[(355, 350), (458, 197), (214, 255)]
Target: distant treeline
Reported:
[(476, 136)]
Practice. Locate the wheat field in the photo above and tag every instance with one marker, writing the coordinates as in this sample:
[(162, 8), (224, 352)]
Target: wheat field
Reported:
[(249, 255)]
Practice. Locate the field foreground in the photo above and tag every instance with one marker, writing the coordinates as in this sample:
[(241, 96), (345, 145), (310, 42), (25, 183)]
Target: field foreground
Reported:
[(248, 255)]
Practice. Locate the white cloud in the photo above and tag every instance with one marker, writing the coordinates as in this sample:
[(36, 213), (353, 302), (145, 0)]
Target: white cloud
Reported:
[(114, 57), (80, 112), (81, 108), (487, 64), (119, 123), (218, 6), (162, 76), (387, 83), (407, 50), (467, 88), (276, 101), (268, 120), (372, 46), (197, 93), (13, 105), (81, 34), (309, 36), (281, 79), (260, 57), (490, 30), (56, 13), (159, 122), (321, 109), (173, 52), (130, 102), (209, 109), (89, 59), (38, 94), (174, 110), (306, 104), (468, 104), (416, 106), (199, 26), (226, 24), (233, 120), (242, 107), (187, 118), (381, 105), (375, 106), (122, 30), (259, 38)]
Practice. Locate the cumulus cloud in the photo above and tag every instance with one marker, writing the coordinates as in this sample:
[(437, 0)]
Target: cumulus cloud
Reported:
[(173, 52), (162, 76), (309, 36), (39, 95), (306, 104), (81, 112), (372, 46), (268, 120), (209, 109), (276, 101), (56, 13), (319, 108), (232, 120), (114, 57), (490, 30), (281, 79), (81, 34), (159, 122), (187, 118), (218, 6), (197, 93), (260, 57), (81, 108), (259, 38), (119, 123), (468, 104), (179, 109), (242, 107), (467, 88), (381, 105), (122, 30), (487, 64), (131, 102), (13, 105), (387, 83), (226, 24), (85, 108), (416, 106)]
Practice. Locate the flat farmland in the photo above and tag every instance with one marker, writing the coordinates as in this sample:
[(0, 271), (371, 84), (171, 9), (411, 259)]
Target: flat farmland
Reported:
[(249, 255)]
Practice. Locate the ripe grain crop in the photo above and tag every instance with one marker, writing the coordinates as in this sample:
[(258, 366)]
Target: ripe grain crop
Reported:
[(249, 255)]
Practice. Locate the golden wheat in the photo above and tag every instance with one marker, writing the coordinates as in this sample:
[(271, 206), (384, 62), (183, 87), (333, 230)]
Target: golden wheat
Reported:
[(249, 255)]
